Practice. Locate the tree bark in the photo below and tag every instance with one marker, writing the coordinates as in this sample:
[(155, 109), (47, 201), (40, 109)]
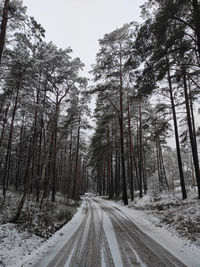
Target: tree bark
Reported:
[(121, 122), (140, 154), (178, 151), (196, 17), (4, 124), (191, 133), (130, 155), (4, 27), (54, 161), (27, 177), (19, 156), (75, 193), (9, 145)]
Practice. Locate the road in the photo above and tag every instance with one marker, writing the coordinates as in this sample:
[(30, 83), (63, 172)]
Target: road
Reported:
[(106, 237)]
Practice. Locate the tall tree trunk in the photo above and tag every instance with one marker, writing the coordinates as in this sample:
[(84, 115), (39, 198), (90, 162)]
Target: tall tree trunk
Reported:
[(108, 175), (130, 155), (196, 17), (54, 169), (39, 163), (47, 168), (3, 27), (1, 140), (111, 177), (70, 162), (141, 150), (117, 170), (104, 178), (191, 133), (27, 177), (75, 193), (192, 115), (158, 162), (9, 145), (19, 156), (121, 122), (35, 141), (144, 172), (163, 168), (4, 124), (178, 151)]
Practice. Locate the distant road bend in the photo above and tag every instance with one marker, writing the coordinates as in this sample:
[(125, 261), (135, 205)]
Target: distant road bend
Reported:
[(107, 238)]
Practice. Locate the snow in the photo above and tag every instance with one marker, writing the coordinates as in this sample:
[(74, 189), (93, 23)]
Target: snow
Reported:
[(103, 262), (14, 245), (112, 240), (142, 264), (19, 248), (86, 231), (180, 248), (56, 242), (67, 264)]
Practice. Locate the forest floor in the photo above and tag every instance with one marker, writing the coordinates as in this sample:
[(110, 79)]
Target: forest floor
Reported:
[(169, 211), (34, 226)]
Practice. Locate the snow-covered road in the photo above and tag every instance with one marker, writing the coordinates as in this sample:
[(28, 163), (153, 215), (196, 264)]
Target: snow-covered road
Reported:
[(103, 235)]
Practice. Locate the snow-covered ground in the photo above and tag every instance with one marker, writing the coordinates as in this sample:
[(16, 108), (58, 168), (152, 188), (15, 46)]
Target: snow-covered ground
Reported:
[(56, 241), (20, 248), (182, 248), (16, 244), (180, 217), (33, 229)]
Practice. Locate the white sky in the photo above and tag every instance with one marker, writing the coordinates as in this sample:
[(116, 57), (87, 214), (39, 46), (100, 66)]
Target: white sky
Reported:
[(80, 23)]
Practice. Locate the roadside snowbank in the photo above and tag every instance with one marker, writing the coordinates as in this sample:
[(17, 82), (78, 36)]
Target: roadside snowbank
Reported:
[(34, 227), (179, 216), (54, 243)]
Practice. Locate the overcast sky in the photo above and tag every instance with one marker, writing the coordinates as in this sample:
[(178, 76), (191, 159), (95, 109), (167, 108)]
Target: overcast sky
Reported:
[(81, 23)]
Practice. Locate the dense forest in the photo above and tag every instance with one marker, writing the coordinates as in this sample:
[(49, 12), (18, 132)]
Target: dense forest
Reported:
[(145, 85), (43, 112)]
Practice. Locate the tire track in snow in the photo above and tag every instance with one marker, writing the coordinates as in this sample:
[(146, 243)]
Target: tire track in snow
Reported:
[(72, 246), (105, 256), (149, 251), (108, 238), (112, 240)]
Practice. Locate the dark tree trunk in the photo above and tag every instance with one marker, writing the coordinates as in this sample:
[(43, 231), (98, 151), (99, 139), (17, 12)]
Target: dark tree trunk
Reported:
[(108, 175), (130, 155), (27, 177), (141, 150), (4, 124), (39, 164), (104, 179), (178, 151), (163, 168), (121, 122), (111, 177), (196, 17), (70, 163), (117, 170), (144, 173), (9, 145), (158, 162), (119, 189), (17, 178), (191, 133), (54, 161), (4, 27), (75, 182)]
